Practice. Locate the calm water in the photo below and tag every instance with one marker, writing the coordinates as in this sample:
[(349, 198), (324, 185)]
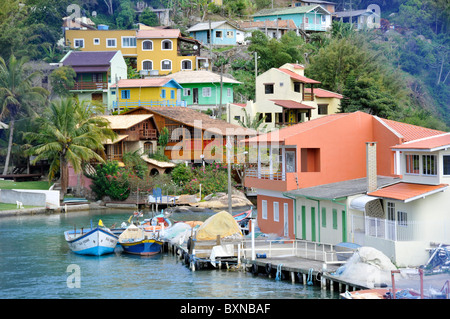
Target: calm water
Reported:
[(34, 261)]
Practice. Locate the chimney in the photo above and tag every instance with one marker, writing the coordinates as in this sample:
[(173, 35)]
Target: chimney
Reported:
[(371, 166)]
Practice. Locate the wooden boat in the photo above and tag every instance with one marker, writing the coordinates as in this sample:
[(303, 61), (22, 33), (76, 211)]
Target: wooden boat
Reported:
[(134, 240), (157, 223), (241, 216), (94, 241)]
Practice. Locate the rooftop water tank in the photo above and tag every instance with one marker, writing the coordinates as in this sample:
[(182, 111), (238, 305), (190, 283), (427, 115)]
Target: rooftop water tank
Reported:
[(102, 27)]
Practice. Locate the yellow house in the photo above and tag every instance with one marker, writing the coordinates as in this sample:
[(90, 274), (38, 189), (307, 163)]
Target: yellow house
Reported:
[(156, 91), (154, 51)]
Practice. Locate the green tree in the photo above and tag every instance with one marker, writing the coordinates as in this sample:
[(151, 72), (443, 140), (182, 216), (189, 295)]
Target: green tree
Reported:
[(17, 95), (149, 18), (110, 180), (61, 79), (69, 133)]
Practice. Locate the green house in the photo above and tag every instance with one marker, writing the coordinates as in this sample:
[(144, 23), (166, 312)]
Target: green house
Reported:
[(201, 89)]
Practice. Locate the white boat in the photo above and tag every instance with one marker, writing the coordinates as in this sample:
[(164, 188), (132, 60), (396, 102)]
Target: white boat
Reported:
[(91, 241)]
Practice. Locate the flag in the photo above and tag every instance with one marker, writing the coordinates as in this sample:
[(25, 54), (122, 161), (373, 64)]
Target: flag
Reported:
[(100, 223)]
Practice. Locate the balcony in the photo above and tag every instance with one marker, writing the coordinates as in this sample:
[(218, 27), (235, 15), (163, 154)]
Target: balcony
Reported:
[(313, 27), (276, 181), (150, 134), (89, 86)]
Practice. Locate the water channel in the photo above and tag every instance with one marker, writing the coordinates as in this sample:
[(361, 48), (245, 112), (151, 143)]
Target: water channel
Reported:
[(35, 263)]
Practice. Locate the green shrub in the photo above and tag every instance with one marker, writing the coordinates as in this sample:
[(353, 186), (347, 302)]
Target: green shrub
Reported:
[(109, 180)]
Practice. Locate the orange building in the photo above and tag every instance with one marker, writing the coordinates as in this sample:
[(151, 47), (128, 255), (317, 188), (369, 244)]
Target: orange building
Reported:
[(322, 151)]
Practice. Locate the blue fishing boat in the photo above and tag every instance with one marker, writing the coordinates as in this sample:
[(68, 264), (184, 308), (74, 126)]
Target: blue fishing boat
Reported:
[(134, 240), (95, 241)]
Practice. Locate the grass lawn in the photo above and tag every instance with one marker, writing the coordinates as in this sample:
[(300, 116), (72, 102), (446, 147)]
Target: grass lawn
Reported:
[(4, 206), (9, 184)]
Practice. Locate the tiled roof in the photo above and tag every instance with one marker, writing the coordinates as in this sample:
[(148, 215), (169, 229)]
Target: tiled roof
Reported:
[(289, 104), (298, 77), (199, 120), (125, 121), (407, 192), (294, 10), (134, 83), (200, 76), (409, 132), (428, 143), (324, 93), (89, 58)]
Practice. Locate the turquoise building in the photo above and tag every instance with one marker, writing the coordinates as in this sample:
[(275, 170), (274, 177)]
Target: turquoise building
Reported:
[(307, 18), (216, 33), (201, 89)]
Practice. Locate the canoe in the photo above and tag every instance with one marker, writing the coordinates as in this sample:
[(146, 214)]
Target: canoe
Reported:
[(134, 240), (241, 216), (91, 241)]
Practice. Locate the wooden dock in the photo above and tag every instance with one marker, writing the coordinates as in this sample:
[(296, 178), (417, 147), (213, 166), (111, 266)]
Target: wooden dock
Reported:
[(280, 263)]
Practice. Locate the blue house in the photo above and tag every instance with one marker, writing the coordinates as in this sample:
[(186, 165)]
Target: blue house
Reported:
[(216, 33), (307, 18)]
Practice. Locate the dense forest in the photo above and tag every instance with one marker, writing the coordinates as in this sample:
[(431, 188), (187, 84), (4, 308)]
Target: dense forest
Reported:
[(400, 71)]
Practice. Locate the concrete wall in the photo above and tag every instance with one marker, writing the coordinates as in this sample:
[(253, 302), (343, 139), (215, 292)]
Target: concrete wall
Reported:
[(44, 198)]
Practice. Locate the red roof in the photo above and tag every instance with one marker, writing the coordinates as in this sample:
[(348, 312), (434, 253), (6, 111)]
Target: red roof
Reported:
[(407, 192), (289, 104), (428, 143), (324, 93), (410, 132), (298, 77)]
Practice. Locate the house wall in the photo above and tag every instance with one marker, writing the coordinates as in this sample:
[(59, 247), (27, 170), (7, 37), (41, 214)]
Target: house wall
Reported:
[(147, 94), (213, 99), (270, 225)]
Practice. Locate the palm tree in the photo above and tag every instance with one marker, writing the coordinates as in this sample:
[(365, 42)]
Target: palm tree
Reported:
[(70, 133), (17, 95), (254, 123)]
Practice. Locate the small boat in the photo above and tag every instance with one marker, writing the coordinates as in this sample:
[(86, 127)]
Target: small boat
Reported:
[(94, 241), (157, 223), (241, 216), (134, 240)]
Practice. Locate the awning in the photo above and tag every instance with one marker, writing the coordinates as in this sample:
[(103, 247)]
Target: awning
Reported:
[(408, 192), (359, 203), (289, 104), (118, 139)]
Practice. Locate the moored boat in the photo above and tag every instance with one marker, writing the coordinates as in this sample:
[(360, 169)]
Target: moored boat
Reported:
[(134, 240), (95, 241)]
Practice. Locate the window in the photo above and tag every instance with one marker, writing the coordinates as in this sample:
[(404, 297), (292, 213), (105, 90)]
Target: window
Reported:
[(446, 164), (237, 118), (412, 164), (429, 164), (323, 109), (147, 65), (125, 94), (229, 92), (147, 45), (186, 92), (230, 34), (268, 88), (324, 217), (78, 43), (276, 212), (290, 161), (186, 65), (166, 45), (111, 43), (163, 93), (335, 219), (218, 34), (166, 65), (268, 117), (148, 148), (391, 211), (264, 209), (402, 218), (206, 92), (128, 42), (172, 94), (297, 87), (96, 41)]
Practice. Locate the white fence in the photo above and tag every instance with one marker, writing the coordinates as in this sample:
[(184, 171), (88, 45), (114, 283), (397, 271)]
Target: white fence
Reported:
[(406, 230)]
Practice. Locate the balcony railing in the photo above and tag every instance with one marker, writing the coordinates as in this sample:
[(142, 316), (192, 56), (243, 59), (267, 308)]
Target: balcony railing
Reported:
[(94, 86), (264, 173), (150, 134), (313, 27), (131, 104)]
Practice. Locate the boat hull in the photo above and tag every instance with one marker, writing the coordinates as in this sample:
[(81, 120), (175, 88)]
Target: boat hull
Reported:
[(146, 247), (94, 242)]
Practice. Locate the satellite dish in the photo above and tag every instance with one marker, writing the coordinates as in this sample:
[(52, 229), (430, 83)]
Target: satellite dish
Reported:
[(195, 47), (94, 13)]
